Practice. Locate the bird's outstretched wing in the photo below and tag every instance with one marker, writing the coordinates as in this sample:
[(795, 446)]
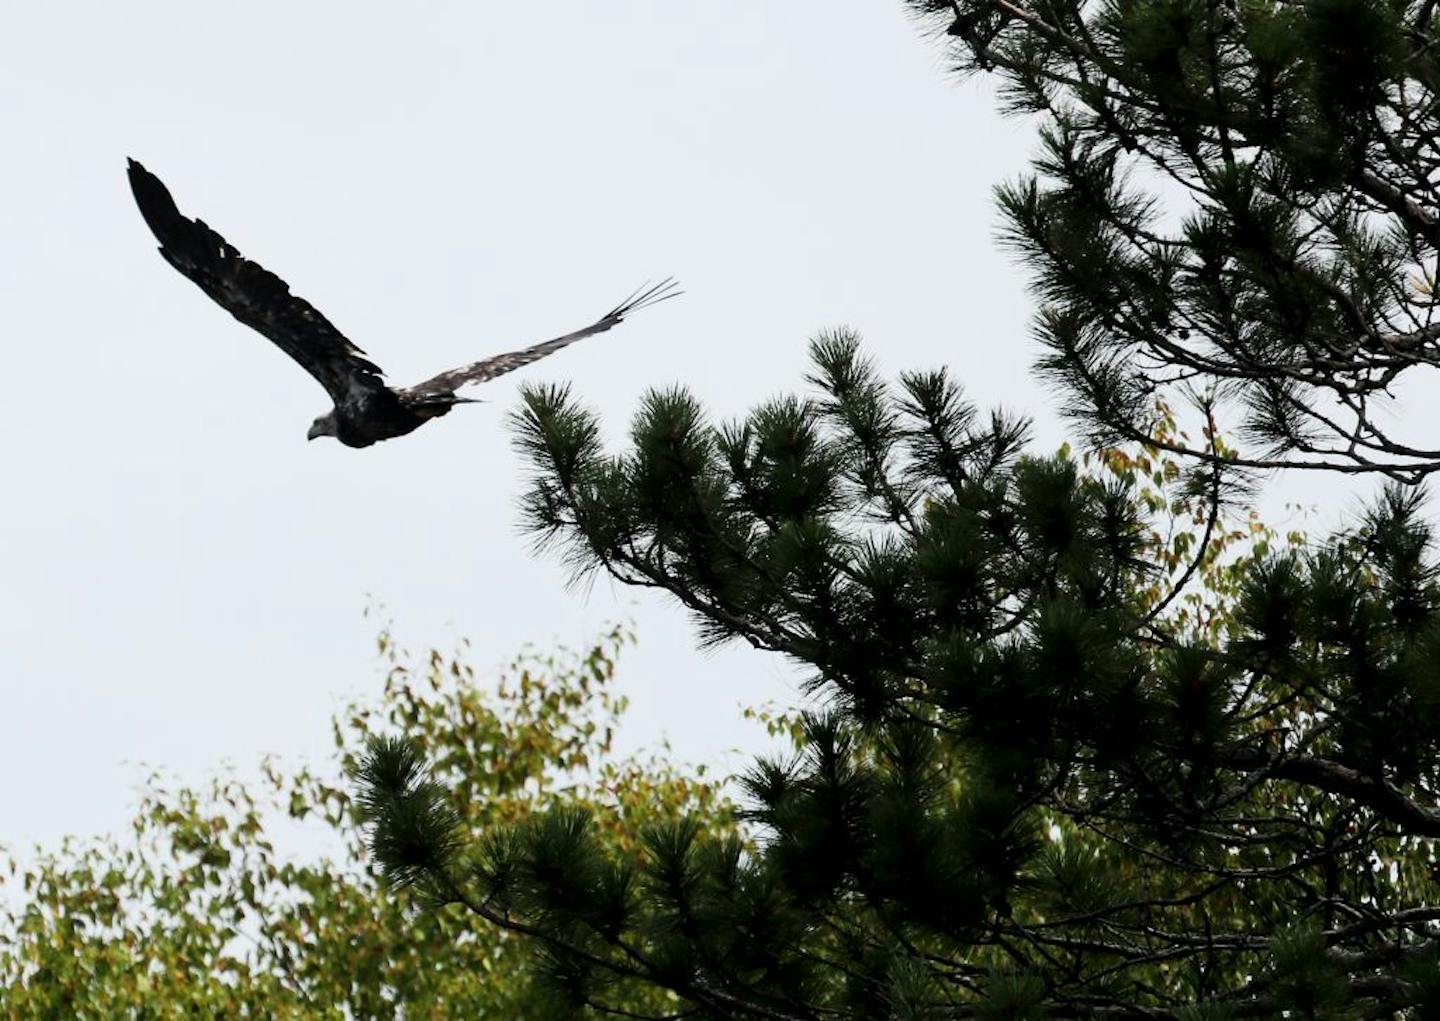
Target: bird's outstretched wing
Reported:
[(252, 294), (498, 365)]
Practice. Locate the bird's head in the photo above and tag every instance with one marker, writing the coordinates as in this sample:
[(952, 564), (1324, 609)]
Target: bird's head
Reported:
[(322, 426)]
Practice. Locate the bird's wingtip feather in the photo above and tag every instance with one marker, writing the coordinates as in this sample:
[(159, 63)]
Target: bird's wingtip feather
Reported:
[(647, 294)]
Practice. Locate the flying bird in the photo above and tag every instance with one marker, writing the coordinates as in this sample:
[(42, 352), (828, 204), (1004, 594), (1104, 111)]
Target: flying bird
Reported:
[(366, 411)]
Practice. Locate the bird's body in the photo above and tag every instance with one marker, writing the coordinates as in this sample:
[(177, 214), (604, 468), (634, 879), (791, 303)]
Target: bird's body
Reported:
[(380, 415), (366, 411)]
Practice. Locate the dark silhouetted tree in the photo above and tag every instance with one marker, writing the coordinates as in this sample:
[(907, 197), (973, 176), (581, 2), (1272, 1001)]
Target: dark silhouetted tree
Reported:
[(1234, 200), (1086, 744), (1087, 747)]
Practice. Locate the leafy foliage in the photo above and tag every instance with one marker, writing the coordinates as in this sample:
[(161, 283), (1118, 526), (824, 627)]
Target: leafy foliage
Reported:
[(199, 913)]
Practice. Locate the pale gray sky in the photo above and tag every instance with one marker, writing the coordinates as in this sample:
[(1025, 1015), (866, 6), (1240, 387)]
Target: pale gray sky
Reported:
[(183, 574)]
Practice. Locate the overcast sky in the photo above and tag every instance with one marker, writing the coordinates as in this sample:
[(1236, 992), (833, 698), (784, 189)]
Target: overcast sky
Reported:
[(184, 575)]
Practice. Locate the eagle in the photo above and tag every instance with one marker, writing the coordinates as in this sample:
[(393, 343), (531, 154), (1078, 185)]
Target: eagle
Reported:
[(366, 411)]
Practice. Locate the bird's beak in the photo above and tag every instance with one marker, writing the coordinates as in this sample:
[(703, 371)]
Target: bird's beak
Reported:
[(311, 434)]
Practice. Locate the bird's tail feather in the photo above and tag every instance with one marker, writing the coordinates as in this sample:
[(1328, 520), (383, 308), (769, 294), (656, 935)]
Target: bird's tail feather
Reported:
[(445, 400)]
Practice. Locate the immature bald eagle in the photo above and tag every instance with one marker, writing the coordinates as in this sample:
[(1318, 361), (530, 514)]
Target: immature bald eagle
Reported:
[(366, 410)]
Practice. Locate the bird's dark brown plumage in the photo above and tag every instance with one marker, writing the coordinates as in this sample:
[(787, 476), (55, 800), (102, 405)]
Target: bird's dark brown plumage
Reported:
[(366, 410)]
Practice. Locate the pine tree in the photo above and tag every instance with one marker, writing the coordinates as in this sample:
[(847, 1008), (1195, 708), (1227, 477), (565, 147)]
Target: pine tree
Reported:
[(1090, 744), (1069, 765), (1239, 198)]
